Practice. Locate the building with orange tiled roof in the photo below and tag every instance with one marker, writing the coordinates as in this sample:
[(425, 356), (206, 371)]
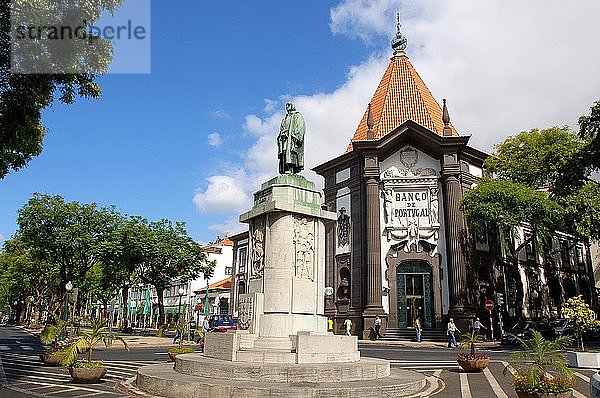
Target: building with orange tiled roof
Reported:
[(395, 250), (400, 248)]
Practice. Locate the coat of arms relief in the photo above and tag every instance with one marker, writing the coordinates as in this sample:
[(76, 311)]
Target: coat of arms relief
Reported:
[(410, 201)]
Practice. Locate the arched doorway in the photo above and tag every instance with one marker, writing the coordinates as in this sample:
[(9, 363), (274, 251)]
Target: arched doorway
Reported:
[(413, 287)]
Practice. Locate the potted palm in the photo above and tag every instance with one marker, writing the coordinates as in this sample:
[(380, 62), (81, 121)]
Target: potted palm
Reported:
[(472, 362), (180, 328), (582, 318), (86, 370), (50, 335), (533, 363)]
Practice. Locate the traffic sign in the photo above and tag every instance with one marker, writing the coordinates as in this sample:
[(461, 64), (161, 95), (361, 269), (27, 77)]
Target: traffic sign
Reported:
[(489, 305)]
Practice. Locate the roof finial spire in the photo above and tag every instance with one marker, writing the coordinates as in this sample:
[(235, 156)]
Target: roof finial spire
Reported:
[(399, 42), (370, 134), (446, 119)]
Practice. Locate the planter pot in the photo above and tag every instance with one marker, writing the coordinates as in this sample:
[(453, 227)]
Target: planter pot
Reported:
[(473, 365), (51, 359), (568, 394), (87, 375), (172, 354), (590, 360)]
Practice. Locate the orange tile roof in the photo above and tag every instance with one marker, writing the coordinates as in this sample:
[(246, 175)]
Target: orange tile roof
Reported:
[(222, 284), (400, 96)]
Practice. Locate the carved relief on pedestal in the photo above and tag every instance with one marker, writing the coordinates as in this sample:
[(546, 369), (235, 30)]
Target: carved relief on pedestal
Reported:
[(257, 236), (410, 205), (246, 308), (304, 247)]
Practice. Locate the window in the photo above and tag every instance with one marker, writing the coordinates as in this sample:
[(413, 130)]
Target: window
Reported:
[(529, 252), (242, 258), (564, 254)]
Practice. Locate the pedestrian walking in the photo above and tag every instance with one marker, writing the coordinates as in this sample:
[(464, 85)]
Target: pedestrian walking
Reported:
[(177, 336), (377, 324), (418, 329), (450, 330), (330, 325), (477, 327), (348, 325)]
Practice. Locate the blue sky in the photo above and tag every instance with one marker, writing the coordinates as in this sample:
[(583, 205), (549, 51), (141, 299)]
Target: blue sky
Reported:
[(194, 138)]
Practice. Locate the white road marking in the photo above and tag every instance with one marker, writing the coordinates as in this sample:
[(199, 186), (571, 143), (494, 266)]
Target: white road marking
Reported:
[(4, 348), (26, 348), (509, 368), (494, 384), (577, 394), (582, 377), (465, 391)]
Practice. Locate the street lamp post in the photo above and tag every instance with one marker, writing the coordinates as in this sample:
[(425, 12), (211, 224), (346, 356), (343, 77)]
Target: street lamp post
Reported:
[(534, 296), (68, 288), (180, 291)]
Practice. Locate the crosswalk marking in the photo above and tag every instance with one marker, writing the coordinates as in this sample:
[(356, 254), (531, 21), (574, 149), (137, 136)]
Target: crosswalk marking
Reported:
[(4, 348), (465, 391), (494, 383), (26, 348)]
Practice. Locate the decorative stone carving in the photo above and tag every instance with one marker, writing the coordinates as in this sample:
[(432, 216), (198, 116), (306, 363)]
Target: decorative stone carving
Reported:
[(245, 311), (304, 241), (434, 207), (258, 252), (410, 204), (343, 228)]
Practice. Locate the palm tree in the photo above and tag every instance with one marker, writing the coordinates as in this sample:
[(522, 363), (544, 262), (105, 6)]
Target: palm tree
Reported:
[(51, 333), (539, 356), (88, 340), (469, 340)]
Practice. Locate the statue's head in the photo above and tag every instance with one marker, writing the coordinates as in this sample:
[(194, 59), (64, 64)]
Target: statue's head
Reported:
[(289, 107)]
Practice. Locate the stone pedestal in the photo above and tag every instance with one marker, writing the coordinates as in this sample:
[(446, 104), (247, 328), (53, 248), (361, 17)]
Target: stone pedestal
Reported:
[(287, 260), (282, 347)]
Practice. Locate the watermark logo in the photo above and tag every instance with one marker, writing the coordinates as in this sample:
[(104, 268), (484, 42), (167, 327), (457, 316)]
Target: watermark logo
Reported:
[(78, 36)]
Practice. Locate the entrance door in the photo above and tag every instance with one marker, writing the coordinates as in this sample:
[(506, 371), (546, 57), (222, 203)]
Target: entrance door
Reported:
[(414, 298), (414, 295)]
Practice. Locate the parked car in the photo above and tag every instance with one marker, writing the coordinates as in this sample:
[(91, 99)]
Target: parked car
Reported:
[(524, 330), (221, 323), (561, 327)]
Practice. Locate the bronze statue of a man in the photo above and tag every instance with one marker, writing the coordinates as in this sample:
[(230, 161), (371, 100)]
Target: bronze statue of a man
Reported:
[(290, 142)]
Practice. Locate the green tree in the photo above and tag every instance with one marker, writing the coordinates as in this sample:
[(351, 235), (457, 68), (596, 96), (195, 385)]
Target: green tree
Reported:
[(581, 316), (589, 129), (23, 97), (68, 234), (169, 254)]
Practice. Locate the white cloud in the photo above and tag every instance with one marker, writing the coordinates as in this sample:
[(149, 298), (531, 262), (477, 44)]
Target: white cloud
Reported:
[(214, 139), (221, 114), (2, 238), (230, 226), (224, 194), (270, 105), (503, 66), (363, 18)]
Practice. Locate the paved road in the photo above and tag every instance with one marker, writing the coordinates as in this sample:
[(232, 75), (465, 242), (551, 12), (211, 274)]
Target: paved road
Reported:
[(441, 362), (22, 374)]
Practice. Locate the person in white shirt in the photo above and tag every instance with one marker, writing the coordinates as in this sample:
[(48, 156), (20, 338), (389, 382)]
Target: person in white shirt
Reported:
[(451, 329), (348, 324)]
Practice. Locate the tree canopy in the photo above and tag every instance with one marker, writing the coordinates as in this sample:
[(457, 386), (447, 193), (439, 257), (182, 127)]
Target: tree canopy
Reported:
[(542, 178), (23, 96)]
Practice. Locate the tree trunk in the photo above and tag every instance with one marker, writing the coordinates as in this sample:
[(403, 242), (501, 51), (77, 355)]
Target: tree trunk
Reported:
[(161, 307), (125, 295)]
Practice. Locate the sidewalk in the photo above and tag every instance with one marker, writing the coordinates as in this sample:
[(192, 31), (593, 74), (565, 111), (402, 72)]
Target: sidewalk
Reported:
[(422, 344)]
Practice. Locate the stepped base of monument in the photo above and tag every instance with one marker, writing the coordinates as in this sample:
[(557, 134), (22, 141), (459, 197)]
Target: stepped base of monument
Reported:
[(272, 380)]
